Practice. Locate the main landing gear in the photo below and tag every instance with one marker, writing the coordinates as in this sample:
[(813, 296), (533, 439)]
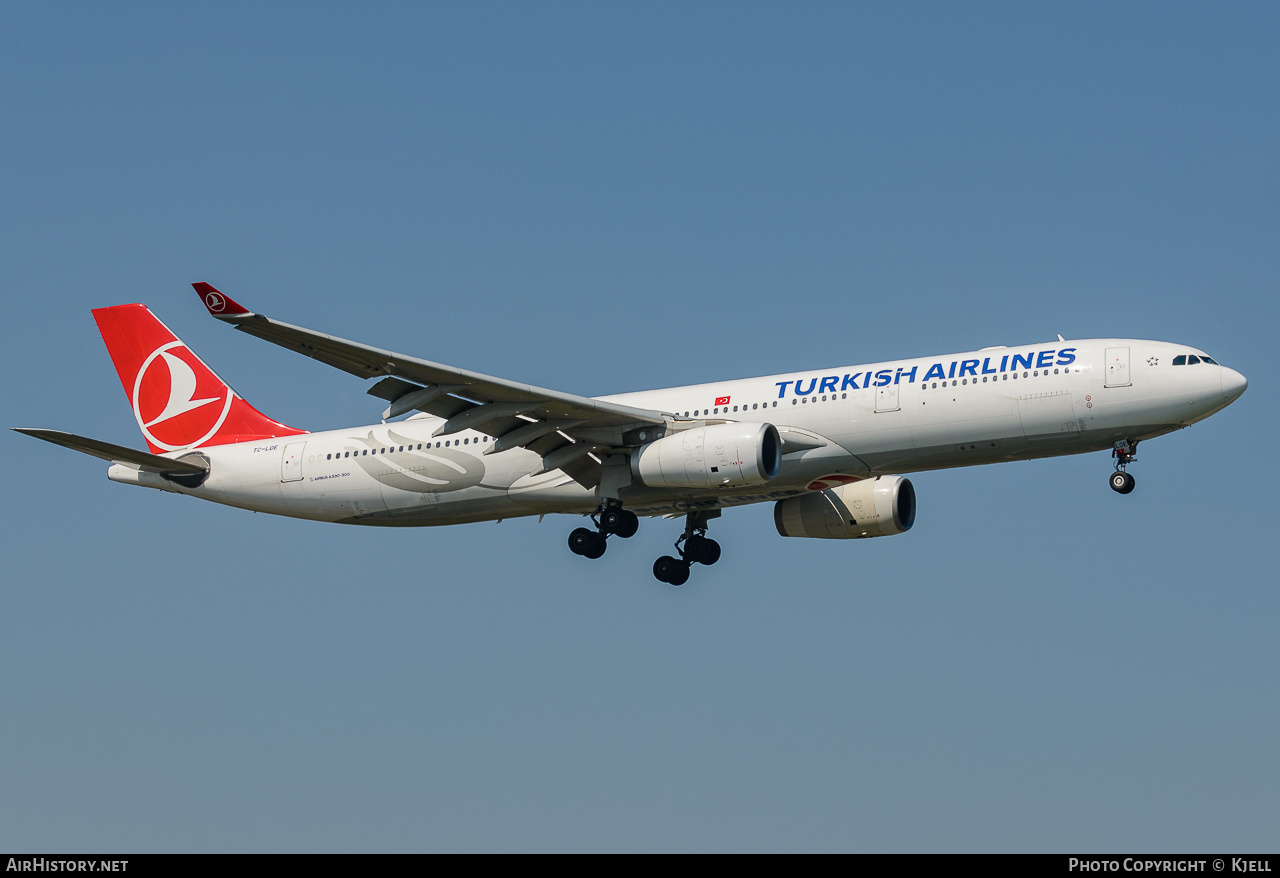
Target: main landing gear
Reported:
[(611, 519), (693, 546), (698, 549), (1124, 453)]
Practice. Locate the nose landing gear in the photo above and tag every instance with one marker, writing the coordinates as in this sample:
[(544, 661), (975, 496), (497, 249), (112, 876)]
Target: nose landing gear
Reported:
[(1124, 453)]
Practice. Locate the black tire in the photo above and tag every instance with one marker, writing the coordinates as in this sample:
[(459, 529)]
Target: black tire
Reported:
[(580, 540), (595, 548), (1122, 483), (710, 552), (630, 524), (616, 520), (665, 567), (610, 519), (680, 575), (701, 550)]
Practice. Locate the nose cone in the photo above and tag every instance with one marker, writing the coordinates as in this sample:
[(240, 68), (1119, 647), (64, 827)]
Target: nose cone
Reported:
[(1233, 384)]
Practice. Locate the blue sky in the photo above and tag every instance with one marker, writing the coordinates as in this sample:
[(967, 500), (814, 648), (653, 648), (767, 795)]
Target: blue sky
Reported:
[(611, 197)]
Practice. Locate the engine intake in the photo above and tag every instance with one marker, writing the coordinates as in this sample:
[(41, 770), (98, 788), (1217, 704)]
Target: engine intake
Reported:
[(876, 507), (719, 456)]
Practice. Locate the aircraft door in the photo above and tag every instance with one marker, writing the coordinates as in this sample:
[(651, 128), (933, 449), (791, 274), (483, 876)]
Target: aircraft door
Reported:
[(291, 462), (1117, 367), (887, 398)]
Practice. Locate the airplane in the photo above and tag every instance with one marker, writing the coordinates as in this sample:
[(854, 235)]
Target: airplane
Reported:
[(827, 447)]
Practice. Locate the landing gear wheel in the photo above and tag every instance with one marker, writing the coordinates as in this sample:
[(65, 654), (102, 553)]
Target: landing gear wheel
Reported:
[(1122, 482), (701, 550), (671, 570), (597, 547), (616, 520), (587, 543)]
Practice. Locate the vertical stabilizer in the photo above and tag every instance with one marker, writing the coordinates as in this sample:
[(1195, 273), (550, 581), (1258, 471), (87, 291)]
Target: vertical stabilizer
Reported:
[(178, 401)]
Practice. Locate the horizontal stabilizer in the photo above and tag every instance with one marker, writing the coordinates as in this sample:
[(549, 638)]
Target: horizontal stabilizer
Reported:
[(153, 463)]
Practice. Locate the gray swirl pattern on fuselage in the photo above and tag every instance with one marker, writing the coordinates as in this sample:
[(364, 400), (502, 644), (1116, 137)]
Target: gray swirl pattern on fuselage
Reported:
[(437, 471)]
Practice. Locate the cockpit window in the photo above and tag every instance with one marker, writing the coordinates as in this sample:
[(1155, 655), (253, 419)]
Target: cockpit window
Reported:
[(1209, 360), (1180, 360), (1192, 359)]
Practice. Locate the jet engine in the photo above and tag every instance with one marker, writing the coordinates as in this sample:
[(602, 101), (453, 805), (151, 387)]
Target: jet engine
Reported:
[(719, 456), (875, 507)]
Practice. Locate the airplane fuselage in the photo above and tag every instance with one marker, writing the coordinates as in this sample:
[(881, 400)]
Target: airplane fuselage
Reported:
[(856, 422)]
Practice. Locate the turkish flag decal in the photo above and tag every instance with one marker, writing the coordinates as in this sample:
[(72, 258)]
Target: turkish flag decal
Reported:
[(722, 400)]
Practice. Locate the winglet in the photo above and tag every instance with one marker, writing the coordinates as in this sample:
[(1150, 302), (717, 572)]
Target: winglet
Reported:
[(219, 304)]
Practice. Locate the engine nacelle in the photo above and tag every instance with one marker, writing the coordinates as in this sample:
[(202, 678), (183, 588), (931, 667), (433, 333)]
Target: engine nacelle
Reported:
[(719, 456), (875, 507)]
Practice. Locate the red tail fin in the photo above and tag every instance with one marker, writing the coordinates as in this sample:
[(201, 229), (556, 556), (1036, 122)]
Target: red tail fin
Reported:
[(178, 400)]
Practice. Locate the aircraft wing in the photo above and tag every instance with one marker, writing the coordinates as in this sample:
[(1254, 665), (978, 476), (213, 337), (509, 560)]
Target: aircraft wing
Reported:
[(514, 414)]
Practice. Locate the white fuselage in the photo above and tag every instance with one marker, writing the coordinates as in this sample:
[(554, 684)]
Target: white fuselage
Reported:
[(985, 406)]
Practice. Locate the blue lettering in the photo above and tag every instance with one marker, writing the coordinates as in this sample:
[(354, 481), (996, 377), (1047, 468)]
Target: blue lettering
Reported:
[(1066, 356), (1004, 361), (812, 383), (986, 367), (952, 373), (910, 376), (828, 384), (1025, 361), (1045, 359), (850, 381), (782, 388), (883, 377), (867, 383), (935, 371), (968, 367)]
